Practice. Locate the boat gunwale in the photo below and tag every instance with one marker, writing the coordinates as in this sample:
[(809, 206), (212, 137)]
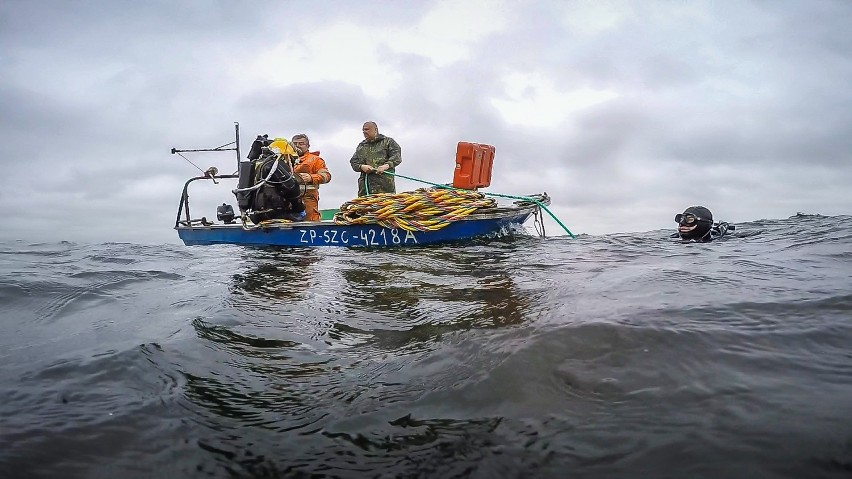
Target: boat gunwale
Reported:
[(495, 213)]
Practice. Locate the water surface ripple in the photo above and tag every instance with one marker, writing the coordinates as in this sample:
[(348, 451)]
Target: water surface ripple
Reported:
[(612, 356)]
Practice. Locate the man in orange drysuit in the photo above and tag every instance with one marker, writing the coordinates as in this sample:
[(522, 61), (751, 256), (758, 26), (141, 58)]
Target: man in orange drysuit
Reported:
[(313, 172)]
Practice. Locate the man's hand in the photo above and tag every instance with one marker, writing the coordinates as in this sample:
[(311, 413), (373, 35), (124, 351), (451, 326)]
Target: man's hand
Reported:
[(306, 177), (366, 168), (383, 168)]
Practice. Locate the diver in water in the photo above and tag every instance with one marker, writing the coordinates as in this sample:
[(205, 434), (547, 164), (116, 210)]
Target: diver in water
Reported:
[(695, 224)]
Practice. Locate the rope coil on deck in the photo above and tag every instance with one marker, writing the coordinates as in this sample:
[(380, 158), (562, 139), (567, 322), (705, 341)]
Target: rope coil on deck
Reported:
[(425, 209)]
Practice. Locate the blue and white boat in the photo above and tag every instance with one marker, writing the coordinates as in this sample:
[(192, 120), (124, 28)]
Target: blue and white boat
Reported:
[(500, 221), (470, 217)]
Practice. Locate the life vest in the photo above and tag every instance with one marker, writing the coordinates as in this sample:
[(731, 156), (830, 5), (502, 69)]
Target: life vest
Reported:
[(314, 165)]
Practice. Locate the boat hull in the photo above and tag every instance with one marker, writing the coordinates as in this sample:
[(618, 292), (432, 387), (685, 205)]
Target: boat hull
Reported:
[(326, 233)]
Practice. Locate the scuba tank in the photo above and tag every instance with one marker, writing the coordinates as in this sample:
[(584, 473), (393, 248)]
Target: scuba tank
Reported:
[(246, 180)]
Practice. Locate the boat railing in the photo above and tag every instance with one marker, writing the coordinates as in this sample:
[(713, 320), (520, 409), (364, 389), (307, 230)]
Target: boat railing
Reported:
[(183, 207)]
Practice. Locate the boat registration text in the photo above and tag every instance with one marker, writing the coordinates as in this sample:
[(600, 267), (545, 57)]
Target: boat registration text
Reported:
[(360, 237)]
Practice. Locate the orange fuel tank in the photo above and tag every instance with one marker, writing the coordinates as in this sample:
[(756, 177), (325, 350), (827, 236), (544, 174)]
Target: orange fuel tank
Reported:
[(473, 165)]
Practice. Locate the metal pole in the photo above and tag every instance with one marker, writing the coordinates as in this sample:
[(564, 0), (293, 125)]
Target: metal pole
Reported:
[(237, 132)]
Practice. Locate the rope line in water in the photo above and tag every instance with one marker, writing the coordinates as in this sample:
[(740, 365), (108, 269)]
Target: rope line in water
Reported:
[(522, 198)]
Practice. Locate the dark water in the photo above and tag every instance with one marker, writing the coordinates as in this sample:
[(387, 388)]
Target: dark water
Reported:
[(611, 356)]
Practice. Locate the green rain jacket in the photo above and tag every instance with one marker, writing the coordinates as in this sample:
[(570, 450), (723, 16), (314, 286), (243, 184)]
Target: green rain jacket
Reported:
[(376, 153)]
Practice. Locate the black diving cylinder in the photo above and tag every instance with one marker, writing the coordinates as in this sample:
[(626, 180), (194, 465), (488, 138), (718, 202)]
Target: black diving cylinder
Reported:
[(246, 173)]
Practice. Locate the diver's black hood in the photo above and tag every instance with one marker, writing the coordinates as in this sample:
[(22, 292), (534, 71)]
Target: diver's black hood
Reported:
[(704, 224)]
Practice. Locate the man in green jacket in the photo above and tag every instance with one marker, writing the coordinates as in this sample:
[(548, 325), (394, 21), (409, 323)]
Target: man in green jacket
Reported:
[(373, 156)]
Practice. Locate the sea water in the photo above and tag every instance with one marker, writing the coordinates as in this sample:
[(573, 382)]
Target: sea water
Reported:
[(627, 355)]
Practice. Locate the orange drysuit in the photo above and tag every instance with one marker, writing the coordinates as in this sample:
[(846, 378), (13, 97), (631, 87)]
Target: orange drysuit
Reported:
[(312, 164)]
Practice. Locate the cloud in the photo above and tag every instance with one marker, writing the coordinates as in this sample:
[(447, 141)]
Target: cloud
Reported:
[(624, 113)]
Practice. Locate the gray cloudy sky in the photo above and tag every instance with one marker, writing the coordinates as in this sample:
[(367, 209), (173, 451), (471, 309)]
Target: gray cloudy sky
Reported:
[(624, 112)]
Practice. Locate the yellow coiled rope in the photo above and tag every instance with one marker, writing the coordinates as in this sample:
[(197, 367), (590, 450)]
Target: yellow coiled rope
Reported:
[(277, 221), (425, 209)]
